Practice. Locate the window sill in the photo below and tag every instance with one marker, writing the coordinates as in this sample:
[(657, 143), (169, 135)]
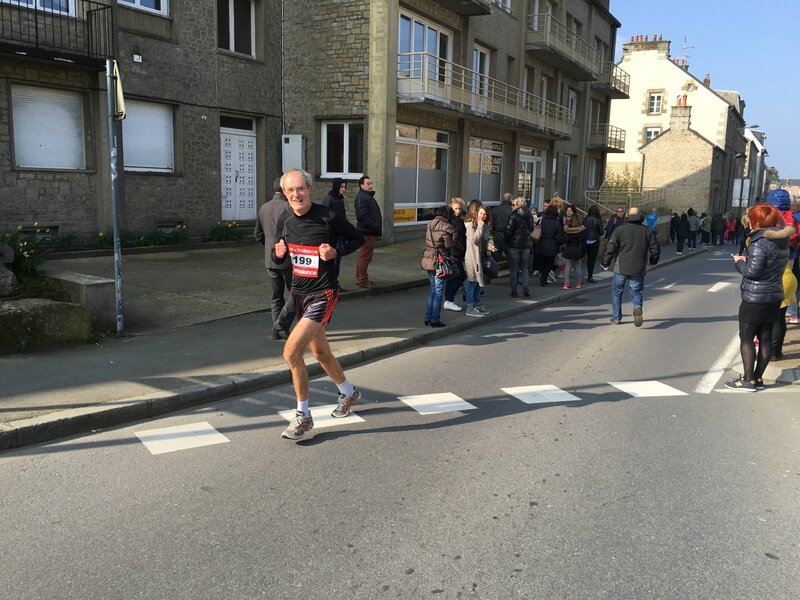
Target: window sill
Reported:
[(239, 55)]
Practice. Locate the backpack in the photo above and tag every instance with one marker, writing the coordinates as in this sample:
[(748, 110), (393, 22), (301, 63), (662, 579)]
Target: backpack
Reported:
[(789, 220)]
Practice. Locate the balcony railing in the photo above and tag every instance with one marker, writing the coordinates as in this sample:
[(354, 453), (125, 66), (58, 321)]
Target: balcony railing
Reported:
[(607, 137), (562, 47), (423, 77), (614, 80), (80, 31), (608, 198), (470, 8)]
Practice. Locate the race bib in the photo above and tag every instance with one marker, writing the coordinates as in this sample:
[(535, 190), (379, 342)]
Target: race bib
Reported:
[(305, 260)]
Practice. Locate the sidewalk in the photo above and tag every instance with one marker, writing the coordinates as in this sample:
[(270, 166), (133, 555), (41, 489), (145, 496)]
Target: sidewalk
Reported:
[(198, 330)]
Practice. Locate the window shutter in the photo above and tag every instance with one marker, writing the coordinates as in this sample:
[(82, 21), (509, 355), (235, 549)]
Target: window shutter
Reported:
[(48, 128), (147, 137)]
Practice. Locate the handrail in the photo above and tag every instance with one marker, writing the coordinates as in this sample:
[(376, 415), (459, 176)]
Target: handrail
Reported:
[(546, 28), (423, 76)]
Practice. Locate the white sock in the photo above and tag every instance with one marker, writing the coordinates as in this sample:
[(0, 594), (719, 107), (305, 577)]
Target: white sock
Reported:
[(303, 407), (345, 388)]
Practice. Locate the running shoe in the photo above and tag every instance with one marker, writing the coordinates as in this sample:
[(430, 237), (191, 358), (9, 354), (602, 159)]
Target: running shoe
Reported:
[(759, 384), (638, 319), (298, 426), (451, 306), (482, 309), (345, 404), (741, 384), (473, 311), (565, 286)]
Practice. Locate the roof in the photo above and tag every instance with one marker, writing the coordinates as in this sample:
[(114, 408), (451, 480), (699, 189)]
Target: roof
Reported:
[(750, 137)]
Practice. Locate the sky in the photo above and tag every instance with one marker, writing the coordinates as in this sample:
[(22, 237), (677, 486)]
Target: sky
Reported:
[(749, 47)]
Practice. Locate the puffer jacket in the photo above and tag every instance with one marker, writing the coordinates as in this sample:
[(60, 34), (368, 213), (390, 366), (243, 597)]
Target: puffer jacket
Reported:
[(594, 228), (440, 237), (552, 236), (575, 247), (762, 272), (518, 230)]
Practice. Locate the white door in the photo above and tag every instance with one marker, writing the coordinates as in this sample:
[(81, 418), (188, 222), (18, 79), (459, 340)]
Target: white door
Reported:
[(238, 172)]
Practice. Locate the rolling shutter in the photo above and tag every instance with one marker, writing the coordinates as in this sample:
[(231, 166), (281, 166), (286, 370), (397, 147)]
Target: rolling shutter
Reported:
[(147, 136)]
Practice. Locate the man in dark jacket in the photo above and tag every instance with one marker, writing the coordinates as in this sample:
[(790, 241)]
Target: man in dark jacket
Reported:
[(617, 219), (335, 201), (280, 275), (500, 216), (629, 247), (370, 223)]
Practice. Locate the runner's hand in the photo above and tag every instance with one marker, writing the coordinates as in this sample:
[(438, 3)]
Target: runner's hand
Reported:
[(327, 252), (280, 249)]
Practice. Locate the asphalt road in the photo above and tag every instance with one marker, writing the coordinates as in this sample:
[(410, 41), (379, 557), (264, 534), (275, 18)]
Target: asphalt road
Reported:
[(650, 481)]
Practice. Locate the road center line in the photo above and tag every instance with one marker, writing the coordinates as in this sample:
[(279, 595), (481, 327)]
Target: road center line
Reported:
[(712, 376), (720, 285)]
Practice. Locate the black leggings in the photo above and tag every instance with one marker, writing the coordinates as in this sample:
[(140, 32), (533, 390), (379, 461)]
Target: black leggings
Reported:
[(754, 367), (779, 333), (591, 257)]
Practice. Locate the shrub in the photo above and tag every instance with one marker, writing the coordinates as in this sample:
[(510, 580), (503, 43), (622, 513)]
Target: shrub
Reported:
[(225, 231), (29, 250)]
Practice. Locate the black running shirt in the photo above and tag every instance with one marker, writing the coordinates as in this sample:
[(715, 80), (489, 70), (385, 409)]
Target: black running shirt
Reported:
[(304, 235)]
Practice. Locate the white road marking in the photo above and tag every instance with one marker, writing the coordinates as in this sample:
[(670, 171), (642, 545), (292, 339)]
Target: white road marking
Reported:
[(322, 416), (540, 394), (430, 404), (181, 437), (666, 287), (646, 389), (712, 376), (720, 285)]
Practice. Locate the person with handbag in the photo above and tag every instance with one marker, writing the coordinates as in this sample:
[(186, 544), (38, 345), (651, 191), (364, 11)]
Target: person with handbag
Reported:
[(518, 246), (552, 238), (440, 237), (574, 247), (478, 245), (594, 232)]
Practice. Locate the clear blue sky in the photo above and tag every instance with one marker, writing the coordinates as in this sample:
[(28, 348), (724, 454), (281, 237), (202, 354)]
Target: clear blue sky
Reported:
[(749, 47)]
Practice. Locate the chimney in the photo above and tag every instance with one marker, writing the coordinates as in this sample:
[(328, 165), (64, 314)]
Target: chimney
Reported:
[(680, 117), (707, 81)]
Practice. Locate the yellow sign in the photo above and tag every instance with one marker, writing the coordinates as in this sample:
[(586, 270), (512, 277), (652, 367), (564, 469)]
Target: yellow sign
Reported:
[(405, 215)]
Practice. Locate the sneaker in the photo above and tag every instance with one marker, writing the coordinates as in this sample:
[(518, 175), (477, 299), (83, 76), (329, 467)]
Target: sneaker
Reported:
[(437, 324), (679, 253), (451, 306), (566, 286), (759, 383), (638, 319), (552, 277), (740, 384), (513, 294), (473, 311), (345, 404), (615, 321), (590, 279), (579, 285), (794, 320), (482, 309), (298, 426)]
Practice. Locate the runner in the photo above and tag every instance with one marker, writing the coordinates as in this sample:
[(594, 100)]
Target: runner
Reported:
[(307, 234)]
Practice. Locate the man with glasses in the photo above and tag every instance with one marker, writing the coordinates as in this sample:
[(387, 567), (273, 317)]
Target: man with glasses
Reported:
[(613, 222), (306, 236)]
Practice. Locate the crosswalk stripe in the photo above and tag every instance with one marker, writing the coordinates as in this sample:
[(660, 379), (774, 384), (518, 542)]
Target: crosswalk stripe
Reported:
[(540, 394), (720, 285), (646, 389), (430, 404), (180, 437)]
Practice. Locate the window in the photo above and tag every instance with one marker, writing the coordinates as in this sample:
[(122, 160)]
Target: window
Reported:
[(418, 37), (64, 7), (572, 103), (530, 176), (654, 104), (569, 161), (591, 174), (651, 133), (235, 32), (485, 170), (504, 4), (156, 6), (480, 68), (48, 128), (343, 149), (420, 167), (147, 137), (602, 50)]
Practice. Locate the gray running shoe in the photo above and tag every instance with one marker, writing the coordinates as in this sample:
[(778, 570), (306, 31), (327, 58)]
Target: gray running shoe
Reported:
[(482, 309), (345, 404), (473, 311), (298, 426)]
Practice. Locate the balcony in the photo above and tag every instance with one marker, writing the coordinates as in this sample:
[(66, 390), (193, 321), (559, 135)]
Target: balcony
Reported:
[(614, 81), (550, 39), (607, 138), (427, 79), (469, 8), (81, 33)]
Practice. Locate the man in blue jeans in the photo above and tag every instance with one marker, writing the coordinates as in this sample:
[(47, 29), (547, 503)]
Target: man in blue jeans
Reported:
[(631, 246)]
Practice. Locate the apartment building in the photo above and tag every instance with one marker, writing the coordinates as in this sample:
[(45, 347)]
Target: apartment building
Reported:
[(658, 83), (434, 99), (201, 141)]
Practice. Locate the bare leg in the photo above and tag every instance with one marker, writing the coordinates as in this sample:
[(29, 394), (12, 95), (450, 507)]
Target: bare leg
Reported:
[(300, 339), (321, 350)]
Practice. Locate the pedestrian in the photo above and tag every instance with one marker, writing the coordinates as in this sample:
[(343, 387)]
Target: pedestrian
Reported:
[(280, 274), (451, 286), (730, 229), (762, 266), (652, 219), (552, 238), (370, 223), (631, 247), (335, 201), (440, 237), (594, 232), (789, 293), (618, 218), (673, 227), (705, 230), (308, 232), (517, 237), (574, 247), (682, 233), (694, 227), (478, 226), (717, 229)]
